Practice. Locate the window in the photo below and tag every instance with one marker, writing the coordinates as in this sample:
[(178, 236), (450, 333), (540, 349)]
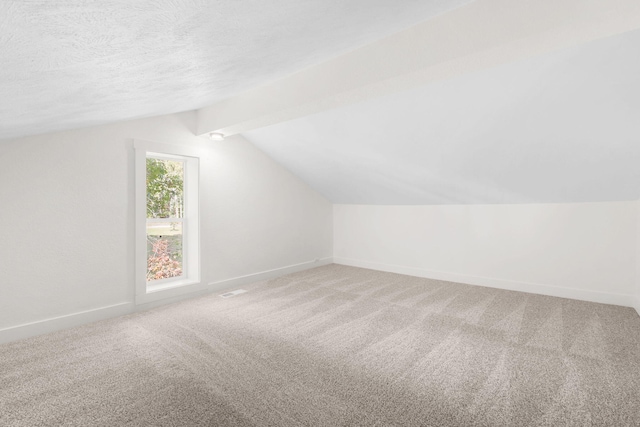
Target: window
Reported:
[(165, 218), (167, 221)]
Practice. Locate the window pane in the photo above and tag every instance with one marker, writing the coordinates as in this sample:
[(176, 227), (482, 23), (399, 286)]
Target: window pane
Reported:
[(164, 250), (165, 188)]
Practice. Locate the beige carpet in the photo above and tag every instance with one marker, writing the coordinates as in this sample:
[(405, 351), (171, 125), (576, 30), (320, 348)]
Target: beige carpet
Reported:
[(336, 346)]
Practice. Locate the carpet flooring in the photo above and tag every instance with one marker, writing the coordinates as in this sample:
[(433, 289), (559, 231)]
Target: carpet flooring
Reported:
[(336, 346)]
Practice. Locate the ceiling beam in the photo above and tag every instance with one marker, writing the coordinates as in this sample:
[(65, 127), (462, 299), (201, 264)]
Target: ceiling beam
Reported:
[(481, 34)]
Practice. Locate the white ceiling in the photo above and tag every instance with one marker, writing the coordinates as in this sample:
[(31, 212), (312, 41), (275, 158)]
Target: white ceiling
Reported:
[(68, 64), (562, 127)]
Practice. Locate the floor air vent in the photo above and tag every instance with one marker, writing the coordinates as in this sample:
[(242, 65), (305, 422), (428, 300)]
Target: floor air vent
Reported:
[(233, 293)]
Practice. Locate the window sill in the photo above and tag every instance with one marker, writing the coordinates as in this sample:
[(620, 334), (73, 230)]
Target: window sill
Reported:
[(170, 289), (170, 285)]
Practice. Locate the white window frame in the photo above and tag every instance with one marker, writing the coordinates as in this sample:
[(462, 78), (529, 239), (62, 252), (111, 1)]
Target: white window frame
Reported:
[(170, 282), (190, 280)]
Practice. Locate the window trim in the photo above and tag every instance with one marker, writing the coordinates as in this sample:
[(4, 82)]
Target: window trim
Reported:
[(190, 280)]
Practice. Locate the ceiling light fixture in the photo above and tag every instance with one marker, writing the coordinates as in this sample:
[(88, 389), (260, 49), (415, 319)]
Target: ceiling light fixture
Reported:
[(215, 136)]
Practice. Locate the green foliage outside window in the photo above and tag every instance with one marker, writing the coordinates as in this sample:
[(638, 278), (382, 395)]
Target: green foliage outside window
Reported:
[(165, 180)]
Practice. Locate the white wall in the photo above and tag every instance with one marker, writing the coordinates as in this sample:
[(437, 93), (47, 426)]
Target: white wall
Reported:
[(583, 250), (66, 217), (637, 304)]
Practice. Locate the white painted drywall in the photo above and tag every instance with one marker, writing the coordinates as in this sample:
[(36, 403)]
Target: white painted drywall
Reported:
[(558, 128), (582, 250), (476, 36), (637, 303), (66, 216)]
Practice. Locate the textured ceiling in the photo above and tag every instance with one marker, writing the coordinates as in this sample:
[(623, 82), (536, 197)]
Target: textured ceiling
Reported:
[(68, 64), (563, 127)]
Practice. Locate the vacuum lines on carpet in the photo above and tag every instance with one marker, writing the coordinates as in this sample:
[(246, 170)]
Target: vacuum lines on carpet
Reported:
[(336, 346)]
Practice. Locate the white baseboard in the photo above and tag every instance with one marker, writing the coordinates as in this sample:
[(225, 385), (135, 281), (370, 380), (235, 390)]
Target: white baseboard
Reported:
[(269, 274), (15, 333), (534, 288), (45, 326), (637, 305)]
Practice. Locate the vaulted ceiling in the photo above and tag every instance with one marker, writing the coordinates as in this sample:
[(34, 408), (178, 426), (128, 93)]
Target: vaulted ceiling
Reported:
[(561, 127), (69, 64), (368, 101)]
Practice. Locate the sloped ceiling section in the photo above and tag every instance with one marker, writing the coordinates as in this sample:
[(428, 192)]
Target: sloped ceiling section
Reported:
[(68, 64), (563, 127)]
